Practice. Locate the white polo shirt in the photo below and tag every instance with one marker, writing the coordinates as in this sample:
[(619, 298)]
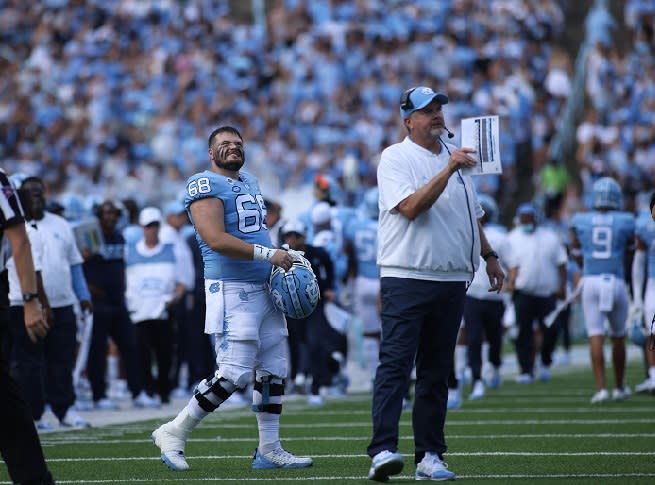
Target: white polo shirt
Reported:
[(15, 291), (59, 252), (441, 244), (538, 256)]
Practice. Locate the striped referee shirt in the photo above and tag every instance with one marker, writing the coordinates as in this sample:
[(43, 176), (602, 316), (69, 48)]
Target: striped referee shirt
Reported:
[(11, 213)]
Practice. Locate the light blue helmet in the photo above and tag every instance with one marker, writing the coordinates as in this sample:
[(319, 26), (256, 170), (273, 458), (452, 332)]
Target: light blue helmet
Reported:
[(489, 206), (73, 206), (370, 203), (606, 194), (295, 292)]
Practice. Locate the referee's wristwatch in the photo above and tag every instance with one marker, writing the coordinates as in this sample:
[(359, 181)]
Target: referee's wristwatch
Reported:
[(29, 296), (490, 254)]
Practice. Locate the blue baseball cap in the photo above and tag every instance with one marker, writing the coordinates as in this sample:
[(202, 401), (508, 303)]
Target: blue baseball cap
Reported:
[(418, 98), (174, 207), (526, 208)]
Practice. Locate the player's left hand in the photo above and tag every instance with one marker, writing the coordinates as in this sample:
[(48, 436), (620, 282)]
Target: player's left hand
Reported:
[(282, 259)]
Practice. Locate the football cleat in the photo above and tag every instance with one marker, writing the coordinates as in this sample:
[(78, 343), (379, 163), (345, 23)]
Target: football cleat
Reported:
[(73, 420), (384, 464), (620, 394), (279, 458), (600, 397), (646, 386), (171, 441), (478, 390), (432, 468)]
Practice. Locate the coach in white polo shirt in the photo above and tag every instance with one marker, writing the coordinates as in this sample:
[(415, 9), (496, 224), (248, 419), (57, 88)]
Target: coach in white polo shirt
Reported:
[(537, 278), (429, 247)]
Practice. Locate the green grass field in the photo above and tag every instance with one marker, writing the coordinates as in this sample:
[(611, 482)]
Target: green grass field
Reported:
[(542, 433)]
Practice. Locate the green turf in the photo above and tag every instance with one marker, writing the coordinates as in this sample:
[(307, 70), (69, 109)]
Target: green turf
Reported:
[(540, 433)]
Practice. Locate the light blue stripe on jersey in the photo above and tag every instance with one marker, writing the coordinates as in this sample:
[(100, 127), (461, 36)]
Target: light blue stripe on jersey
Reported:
[(604, 237), (646, 232), (244, 218), (166, 255)]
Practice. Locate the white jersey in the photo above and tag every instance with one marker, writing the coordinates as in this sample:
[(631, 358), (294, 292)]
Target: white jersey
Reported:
[(15, 292), (58, 253), (497, 237), (538, 256), (168, 234), (151, 277), (441, 244)]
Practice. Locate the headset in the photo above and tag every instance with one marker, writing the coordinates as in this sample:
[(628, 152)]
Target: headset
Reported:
[(407, 103), (406, 100)]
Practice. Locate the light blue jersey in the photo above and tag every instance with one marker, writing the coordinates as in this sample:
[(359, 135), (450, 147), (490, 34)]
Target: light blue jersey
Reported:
[(245, 218), (362, 232), (604, 237), (646, 232)]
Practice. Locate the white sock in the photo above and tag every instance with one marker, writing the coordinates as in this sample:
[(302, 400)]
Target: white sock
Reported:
[(651, 373), (185, 420), (195, 410), (267, 423)]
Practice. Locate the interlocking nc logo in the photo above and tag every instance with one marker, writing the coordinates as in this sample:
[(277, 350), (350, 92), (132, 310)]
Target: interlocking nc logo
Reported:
[(427, 91)]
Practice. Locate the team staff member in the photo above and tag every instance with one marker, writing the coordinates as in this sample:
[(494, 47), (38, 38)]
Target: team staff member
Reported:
[(428, 245), (44, 369), (19, 441)]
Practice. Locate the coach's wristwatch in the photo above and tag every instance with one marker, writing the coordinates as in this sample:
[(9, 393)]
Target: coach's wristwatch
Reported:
[(29, 296), (490, 254)]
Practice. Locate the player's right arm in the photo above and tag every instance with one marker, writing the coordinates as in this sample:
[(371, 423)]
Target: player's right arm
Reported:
[(208, 216)]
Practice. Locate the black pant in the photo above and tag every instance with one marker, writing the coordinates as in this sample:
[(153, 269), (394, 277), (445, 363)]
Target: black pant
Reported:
[(19, 442), (420, 320), (322, 340), (484, 318), (44, 369), (528, 309), (156, 336), (112, 321)]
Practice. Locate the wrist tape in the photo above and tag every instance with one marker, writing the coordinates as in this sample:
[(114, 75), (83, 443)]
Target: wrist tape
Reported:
[(262, 253)]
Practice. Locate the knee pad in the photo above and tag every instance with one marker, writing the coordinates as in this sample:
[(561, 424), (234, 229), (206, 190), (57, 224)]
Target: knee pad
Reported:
[(269, 386), (211, 394)]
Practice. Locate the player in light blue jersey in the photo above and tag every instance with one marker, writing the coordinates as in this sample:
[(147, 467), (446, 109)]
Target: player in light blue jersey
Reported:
[(643, 268), (599, 240), (361, 243), (229, 216)]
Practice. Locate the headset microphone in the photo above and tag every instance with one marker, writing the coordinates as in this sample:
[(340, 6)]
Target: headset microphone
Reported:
[(450, 133)]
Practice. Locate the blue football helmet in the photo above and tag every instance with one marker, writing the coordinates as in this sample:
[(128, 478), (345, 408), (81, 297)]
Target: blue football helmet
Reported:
[(489, 206), (295, 292), (606, 194)]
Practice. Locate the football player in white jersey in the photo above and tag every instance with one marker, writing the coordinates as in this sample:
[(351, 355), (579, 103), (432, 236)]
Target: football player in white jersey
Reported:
[(599, 239), (228, 213)]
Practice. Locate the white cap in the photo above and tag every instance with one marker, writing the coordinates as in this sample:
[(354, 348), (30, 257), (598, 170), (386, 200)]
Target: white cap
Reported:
[(321, 213), (294, 226), (149, 215)]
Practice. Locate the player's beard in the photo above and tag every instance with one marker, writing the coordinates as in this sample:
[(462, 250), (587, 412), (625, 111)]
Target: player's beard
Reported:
[(231, 165)]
